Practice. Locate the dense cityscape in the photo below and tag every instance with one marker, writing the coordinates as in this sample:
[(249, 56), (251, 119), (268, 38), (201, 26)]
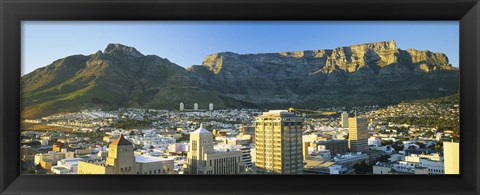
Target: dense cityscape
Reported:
[(395, 139)]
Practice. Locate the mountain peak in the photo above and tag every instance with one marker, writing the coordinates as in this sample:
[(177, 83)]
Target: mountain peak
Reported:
[(115, 47)]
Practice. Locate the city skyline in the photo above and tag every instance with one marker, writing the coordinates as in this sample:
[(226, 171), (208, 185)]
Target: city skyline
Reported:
[(359, 98), (187, 43)]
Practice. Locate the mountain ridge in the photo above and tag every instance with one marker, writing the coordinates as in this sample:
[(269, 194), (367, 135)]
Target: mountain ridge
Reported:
[(121, 76)]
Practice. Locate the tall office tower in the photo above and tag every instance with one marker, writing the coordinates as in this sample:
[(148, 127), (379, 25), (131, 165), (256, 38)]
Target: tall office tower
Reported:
[(210, 106), (182, 107), (120, 156), (451, 157), (344, 119), (203, 159), (358, 134), (195, 106), (278, 142)]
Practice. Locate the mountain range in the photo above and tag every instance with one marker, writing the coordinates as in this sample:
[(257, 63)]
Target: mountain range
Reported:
[(120, 76)]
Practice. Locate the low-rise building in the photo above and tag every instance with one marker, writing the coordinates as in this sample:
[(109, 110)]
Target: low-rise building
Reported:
[(121, 160), (382, 168), (204, 159), (59, 170), (153, 165), (435, 167)]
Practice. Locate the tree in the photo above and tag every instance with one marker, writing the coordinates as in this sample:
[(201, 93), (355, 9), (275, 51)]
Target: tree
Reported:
[(397, 147), (387, 142), (420, 144), (429, 134), (183, 137), (362, 168), (383, 158)]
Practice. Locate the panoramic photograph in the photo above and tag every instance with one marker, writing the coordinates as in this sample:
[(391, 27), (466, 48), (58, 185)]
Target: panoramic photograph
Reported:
[(240, 97)]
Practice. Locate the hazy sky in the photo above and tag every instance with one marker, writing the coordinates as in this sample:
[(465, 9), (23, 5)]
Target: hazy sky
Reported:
[(186, 43)]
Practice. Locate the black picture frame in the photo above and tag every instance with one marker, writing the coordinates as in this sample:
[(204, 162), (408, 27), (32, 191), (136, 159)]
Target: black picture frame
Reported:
[(12, 12)]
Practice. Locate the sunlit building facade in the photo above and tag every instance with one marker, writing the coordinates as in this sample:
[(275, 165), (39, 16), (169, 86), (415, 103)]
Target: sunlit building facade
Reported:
[(451, 156), (278, 142), (202, 158), (358, 134)]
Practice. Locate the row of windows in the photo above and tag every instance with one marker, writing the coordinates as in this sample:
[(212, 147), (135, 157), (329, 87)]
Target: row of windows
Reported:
[(194, 145), (155, 171), (124, 170), (278, 123), (226, 165)]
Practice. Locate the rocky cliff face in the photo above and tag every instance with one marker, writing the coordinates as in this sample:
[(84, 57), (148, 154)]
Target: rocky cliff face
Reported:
[(121, 76), (297, 77)]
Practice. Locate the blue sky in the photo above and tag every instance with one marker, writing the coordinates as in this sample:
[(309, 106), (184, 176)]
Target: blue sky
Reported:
[(186, 43)]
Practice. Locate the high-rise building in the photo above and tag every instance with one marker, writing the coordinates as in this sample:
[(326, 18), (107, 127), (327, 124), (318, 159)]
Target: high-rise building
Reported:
[(358, 134), (210, 106), (182, 106), (278, 142), (451, 151), (195, 106), (344, 119), (203, 159)]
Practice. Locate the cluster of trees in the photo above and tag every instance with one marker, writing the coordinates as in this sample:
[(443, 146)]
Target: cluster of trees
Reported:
[(131, 123), (94, 136), (183, 137), (363, 168), (434, 121), (442, 124), (451, 99)]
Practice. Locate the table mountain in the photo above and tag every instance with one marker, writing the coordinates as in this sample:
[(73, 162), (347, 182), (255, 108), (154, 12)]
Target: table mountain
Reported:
[(372, 73), (121, 76)]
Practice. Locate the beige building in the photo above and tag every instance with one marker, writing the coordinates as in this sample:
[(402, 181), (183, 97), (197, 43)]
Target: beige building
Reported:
[(451, 156), (121, 160), (278, 142), (203, 159), (120, 156), (152, 165), (358, 134), (334, 146), (344, 119)]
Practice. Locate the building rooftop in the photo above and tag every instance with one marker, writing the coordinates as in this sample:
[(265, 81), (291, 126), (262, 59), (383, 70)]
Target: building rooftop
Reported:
[(121, 141), (278, 113), (72, 161), (382, 164), (201, 130), (60, 168), (149, 159)]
